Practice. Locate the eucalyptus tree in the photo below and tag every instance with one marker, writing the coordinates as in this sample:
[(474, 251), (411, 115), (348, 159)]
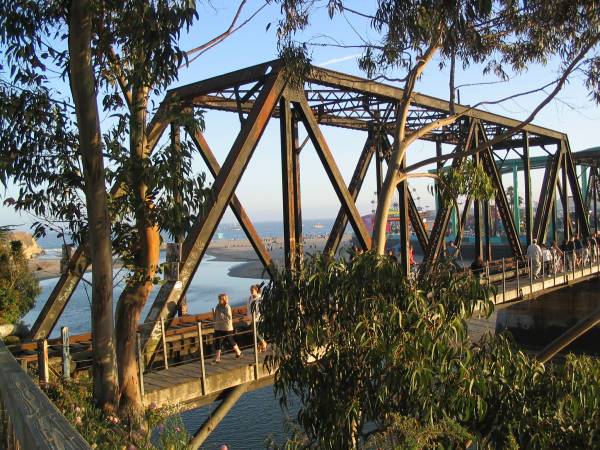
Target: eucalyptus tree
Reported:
[(502, 36), (50, 158), (132, 55), (367, 349)]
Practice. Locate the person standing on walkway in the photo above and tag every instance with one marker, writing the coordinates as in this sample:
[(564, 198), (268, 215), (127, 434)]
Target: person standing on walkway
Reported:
[(578, 251), (557, 257), (254, 309), (223, 320), (534, 253), (570, 253)]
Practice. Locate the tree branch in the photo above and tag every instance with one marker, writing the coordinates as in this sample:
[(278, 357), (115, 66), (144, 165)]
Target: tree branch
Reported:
[(201, 49), (120, 75), (501, 137)]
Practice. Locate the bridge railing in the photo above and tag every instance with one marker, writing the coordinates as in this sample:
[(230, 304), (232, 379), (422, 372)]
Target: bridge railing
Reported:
[(554, 269), (193, 341), (28, 418)]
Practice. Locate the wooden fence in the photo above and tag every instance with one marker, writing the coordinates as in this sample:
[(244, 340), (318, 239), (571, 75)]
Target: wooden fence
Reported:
[(28, 419)]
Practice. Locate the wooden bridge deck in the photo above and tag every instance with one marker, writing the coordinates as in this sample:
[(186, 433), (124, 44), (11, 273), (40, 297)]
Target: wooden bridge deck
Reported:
[(181, 385)]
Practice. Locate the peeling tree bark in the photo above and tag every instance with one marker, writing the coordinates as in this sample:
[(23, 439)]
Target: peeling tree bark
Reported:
[(90, 146), (139, 287)]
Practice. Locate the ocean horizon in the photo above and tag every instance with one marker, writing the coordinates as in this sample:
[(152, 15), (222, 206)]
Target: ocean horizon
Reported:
[(52, 243)]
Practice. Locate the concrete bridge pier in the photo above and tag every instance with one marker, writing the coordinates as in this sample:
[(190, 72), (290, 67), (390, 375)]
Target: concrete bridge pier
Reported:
[(535, 323)]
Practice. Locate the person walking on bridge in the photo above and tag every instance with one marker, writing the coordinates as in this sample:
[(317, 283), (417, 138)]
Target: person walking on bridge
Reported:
[(223, 320), (534, 253), (254, 310)]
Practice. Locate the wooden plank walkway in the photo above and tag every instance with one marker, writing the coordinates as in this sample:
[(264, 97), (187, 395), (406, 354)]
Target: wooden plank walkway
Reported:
[(181, 385)]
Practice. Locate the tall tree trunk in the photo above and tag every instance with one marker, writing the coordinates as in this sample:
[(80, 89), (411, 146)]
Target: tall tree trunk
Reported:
[(138, 288), (90, 146)]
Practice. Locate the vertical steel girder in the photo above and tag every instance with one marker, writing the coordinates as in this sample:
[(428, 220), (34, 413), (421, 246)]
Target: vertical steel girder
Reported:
[(564, 197), (238, 210), (417, 223), (510, 229), (580, 212), (288, 185), (442, 217), (335, 177), (403, 211), (486, 227), (547, 195), (341, 220), (80, 260), (528, 198), (562, 193), (298, 196), (477, 203), (379, 157), (594, 183), (515, 206), (197, 241)]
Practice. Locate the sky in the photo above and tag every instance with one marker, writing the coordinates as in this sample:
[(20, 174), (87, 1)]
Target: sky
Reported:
[(260, 188)]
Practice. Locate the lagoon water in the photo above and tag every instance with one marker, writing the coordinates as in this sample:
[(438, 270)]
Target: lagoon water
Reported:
[(257, 415)]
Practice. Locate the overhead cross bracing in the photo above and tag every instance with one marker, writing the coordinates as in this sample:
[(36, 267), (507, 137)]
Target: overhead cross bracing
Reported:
[(347, 101)]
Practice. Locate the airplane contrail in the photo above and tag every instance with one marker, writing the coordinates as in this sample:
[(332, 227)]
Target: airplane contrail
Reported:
[(338, 60)]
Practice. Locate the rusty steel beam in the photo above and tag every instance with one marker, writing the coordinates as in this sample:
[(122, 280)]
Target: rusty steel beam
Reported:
[(417, 223), (594, 183), (80, 259), (547, 195), (288, 185), (326, 157), (256, 73), (580, 211), (238, 210), (341, 220), (476, 202), (442, 217), (403, 212), (197, 241), (382, 91), (298, 194), (562, 193), (528, 198), (487, 158)]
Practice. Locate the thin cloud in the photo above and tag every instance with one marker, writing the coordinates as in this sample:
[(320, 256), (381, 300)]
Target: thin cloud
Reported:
[(333, 61)]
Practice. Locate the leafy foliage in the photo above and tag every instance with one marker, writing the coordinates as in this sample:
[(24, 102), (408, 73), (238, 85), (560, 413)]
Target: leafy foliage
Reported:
[(18, 287), (363, 344), (73, 398), (38, 145), (500, 35), (470, 178)]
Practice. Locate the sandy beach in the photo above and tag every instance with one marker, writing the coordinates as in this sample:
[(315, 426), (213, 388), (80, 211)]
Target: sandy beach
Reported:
[(222, 250)]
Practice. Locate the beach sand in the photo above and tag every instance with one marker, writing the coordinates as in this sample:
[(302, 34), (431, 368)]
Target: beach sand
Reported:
[(222, 250)]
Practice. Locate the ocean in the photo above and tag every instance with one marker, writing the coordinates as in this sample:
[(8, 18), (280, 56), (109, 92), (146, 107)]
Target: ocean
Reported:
[(257, 415)]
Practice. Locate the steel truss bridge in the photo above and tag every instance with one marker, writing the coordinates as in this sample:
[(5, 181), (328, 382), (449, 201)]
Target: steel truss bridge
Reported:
[(262, 93)]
